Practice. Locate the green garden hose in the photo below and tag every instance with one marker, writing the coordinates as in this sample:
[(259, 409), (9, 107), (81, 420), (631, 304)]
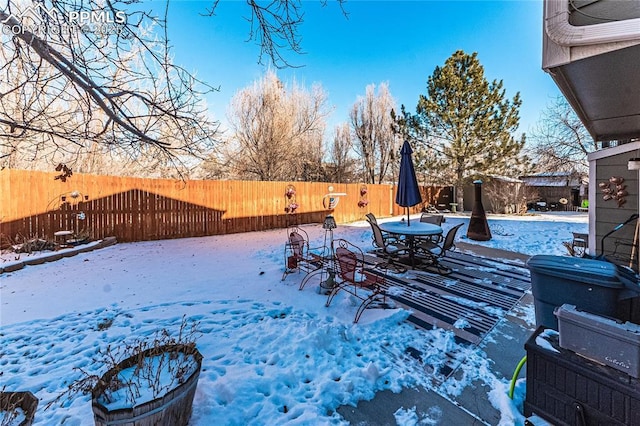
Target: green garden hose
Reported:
[(515, 376)]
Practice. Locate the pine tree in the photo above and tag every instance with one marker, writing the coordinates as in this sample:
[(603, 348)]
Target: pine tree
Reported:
[(465, 123)]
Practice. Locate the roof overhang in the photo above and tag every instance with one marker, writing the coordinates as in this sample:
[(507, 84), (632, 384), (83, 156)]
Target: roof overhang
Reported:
[(632, 148), (597, 65)]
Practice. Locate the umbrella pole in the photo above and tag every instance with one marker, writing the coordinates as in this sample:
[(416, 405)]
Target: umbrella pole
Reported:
[(408, 218)]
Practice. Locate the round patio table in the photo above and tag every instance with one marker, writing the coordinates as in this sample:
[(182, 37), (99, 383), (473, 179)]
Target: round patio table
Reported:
[(416, 229)]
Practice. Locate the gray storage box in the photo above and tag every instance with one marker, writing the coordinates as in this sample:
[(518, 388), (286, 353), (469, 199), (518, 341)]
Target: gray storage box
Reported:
[(591, 285), (600, 339)]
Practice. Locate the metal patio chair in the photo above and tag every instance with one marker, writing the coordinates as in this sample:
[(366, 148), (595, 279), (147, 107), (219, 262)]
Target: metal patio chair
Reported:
[(436, 219), (389, 249), (579, 244), (353, 278), (371, 218), (433, 252), (297, 254)]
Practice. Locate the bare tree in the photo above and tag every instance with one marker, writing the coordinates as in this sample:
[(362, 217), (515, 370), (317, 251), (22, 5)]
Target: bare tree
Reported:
[(218, 165), (507, 195), (375, 140), (275, 26), (309, 164), (560, 140), (341, 162), (81, 78), (86, 71), (278, 130)]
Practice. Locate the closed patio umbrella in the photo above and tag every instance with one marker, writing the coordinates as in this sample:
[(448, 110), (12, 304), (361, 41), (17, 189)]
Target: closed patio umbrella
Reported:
[(408, 193)]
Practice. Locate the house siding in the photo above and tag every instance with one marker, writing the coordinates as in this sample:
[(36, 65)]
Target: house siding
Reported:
[(608, 214)]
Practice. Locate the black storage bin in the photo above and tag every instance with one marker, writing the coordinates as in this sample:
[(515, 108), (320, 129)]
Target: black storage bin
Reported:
[(629, 307), (590, 285), (567, 389)]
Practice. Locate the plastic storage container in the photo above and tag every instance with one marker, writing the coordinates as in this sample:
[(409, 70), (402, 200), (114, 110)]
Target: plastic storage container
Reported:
[(601, 339), (567, 389), (590, 285)]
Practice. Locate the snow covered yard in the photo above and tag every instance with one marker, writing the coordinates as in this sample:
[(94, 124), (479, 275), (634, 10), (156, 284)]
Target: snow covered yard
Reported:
[(272, 354)]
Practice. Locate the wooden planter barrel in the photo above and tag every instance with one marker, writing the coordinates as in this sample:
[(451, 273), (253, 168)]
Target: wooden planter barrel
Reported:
[(173, 408), (26, 401)]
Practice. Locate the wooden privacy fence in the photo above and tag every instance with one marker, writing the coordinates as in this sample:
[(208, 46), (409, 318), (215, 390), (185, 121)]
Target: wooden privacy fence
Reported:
[(36, 204)]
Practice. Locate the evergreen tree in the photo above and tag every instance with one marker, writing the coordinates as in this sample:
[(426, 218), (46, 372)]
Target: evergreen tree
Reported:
[(464, 125)]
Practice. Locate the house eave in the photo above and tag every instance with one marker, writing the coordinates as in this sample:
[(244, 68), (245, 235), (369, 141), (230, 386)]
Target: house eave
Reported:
[(595, 67)]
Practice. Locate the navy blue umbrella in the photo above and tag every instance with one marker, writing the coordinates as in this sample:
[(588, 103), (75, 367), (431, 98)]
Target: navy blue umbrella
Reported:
[(408, 193)]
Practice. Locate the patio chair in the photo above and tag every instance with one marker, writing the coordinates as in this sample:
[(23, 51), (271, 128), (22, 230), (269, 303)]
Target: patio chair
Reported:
[(389, 249), (435, 219), (579, 244), (298, 256), (434, 252), (371, 218), (353, 278)]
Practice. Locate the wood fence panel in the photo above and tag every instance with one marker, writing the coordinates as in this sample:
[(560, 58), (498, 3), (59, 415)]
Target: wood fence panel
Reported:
[(35, 204)]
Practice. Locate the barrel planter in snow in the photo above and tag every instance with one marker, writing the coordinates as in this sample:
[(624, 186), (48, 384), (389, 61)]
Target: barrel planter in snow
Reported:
[(17, 408), (112, 401)]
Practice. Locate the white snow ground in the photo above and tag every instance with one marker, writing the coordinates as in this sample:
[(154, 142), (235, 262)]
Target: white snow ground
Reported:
[(272, 354)]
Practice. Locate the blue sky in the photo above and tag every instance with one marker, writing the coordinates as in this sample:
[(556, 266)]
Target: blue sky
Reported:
[(399, 42)]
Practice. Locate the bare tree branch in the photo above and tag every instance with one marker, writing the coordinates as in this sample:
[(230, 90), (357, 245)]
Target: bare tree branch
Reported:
[(560, 140), (106, 79), (278, 130), (373, 126), (82, 78), (275, 27)]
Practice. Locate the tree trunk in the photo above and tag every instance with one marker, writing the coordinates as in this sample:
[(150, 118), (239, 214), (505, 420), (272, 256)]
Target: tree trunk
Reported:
[(460, 197)]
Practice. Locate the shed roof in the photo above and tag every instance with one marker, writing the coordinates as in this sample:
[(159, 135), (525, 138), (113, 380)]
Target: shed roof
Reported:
[(505, 179), (553, 179)]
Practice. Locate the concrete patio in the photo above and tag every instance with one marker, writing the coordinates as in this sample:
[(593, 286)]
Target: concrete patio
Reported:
[(503, 345)]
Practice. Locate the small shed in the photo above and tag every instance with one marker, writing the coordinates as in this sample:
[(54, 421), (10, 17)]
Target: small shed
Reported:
[(613, 199), (500, 194), (554, 187)]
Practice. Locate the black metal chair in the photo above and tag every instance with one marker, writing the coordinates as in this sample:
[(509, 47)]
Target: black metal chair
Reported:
[(371, 218), (434, 252), (436, 219), (388, 248)]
